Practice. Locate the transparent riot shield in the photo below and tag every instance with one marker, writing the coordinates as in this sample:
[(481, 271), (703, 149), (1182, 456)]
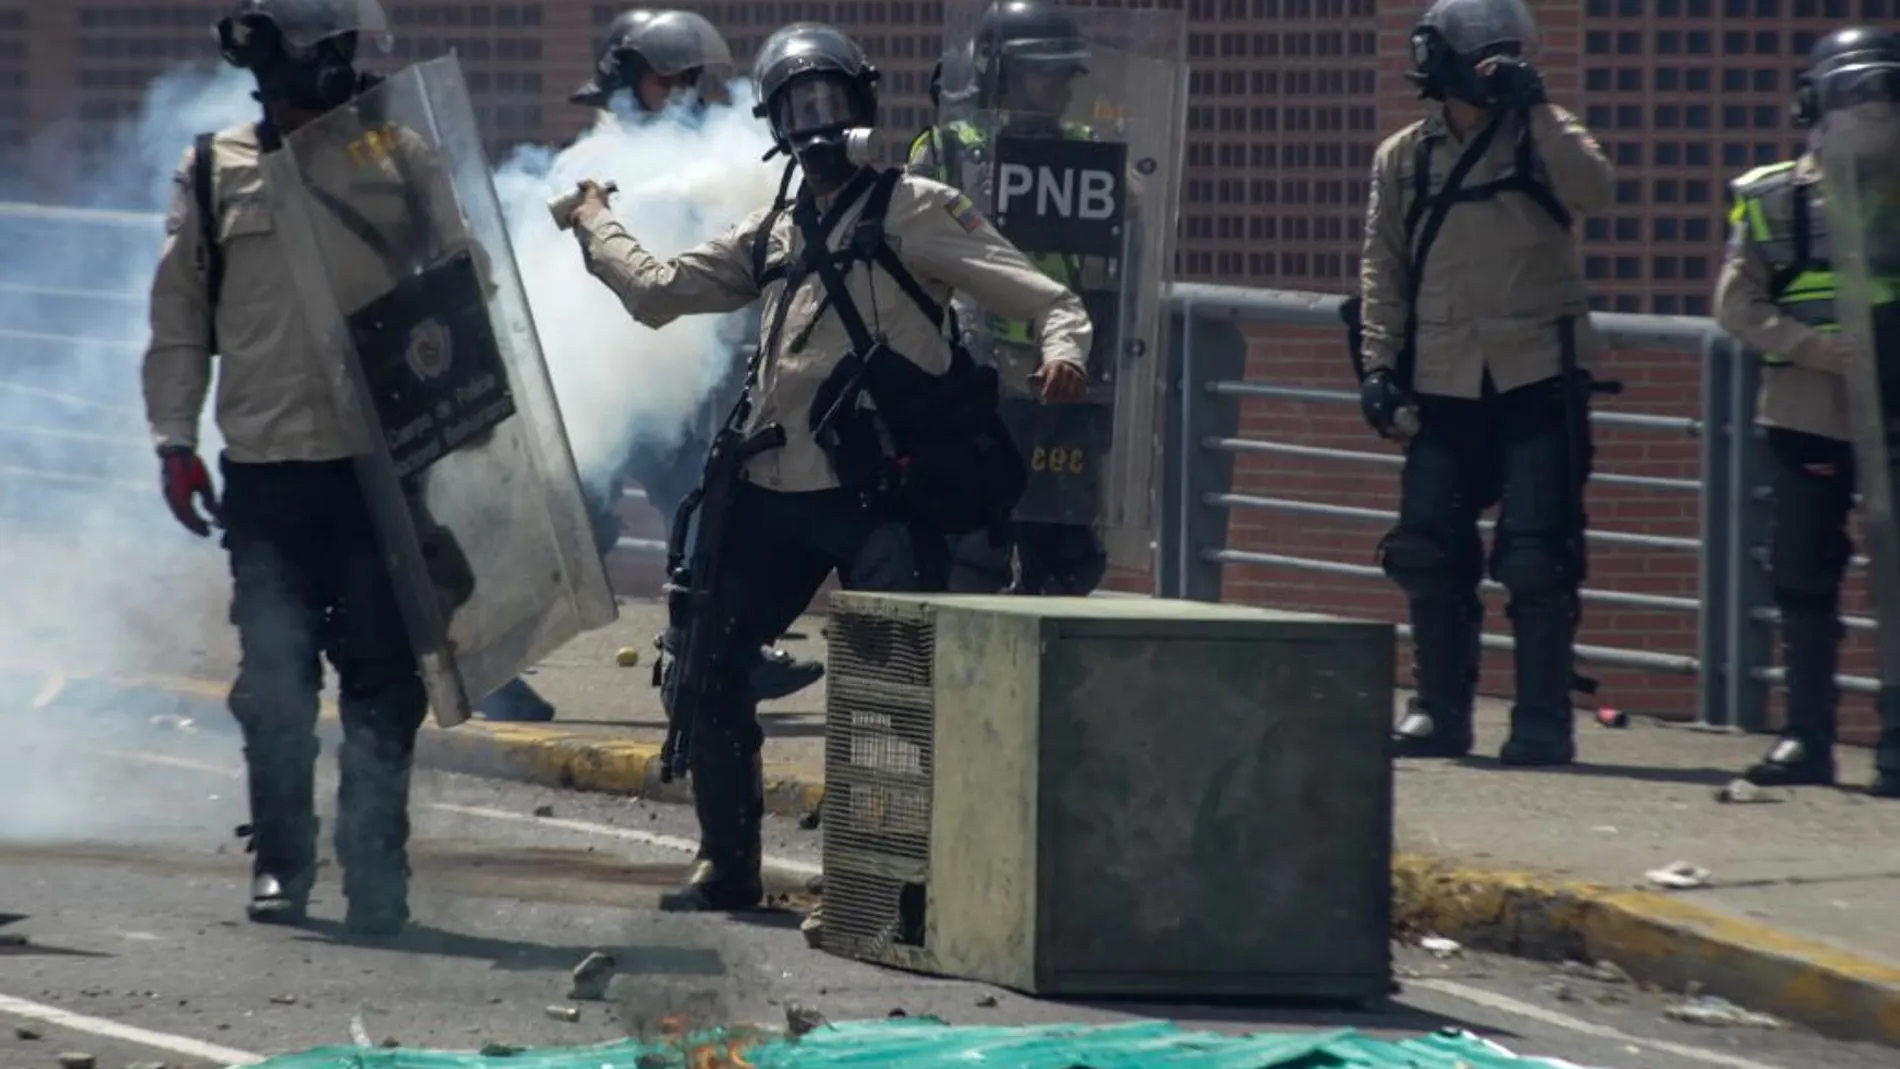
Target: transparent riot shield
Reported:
[(1068, 135), (1860, 167), (386, 211)]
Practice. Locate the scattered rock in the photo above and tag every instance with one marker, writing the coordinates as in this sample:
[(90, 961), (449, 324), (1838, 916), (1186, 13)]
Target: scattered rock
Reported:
[(284, 1000), (802, 1019), (1678, 876), (390, 1043), (1440, 947), (74, 1059), (544, 811), (570, 1014), (1610, 995), (591, 977), (500, 1050), (1718, 1013), (1742, 792), (1603, 972), (25, 1031), (985, 1002), (897, 1013), (1560, 991)]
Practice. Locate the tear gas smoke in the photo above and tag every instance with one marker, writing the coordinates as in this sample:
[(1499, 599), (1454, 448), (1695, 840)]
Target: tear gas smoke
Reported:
[(102, 582), (683, 178)]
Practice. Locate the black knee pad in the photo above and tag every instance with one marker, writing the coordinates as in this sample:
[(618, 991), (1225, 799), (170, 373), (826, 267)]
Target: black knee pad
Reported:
[(1423, 565), (1532, 567)]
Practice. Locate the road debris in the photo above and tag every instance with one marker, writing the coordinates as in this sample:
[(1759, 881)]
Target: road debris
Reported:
[(147, 1065), (1718, 1013), (570, 1014), (359, 1032), (627, 657), (1440, 947), (1741, 792), (1560, 991), (1678, 876), (284, 1000), (1603, 972), (1612, 718), (492, 1049), (985, 1002), (802, 1019), (25, 1031), (173, 722), (544, 811), (591, 977), (75, 1059)]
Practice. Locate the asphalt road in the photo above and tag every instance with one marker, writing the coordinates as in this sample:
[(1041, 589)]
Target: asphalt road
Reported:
[(115, 842)]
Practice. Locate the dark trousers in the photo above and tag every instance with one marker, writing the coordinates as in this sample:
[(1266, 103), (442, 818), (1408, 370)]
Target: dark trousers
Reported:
[(1813, 486), (1516, 450), (1050, 559), (780, 549), (308, 582)]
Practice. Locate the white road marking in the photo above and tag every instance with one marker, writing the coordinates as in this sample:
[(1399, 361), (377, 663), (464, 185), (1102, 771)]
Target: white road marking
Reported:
[(144, 1037), (1506, 1004)]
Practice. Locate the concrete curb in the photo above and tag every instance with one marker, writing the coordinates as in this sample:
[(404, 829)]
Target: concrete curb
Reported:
[(1658, 939)]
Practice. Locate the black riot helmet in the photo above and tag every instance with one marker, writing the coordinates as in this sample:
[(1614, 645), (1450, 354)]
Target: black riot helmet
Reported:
[(681, 47), (302, 52), (818, 91), (1856, 65), (1454, 36), (1025, 54)]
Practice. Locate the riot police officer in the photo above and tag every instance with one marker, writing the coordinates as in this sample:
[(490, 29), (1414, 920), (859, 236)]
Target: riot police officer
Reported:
[(1778, 294), (1477, 346), (657, 58), (1028, 54), (826, 401), (308, 578)]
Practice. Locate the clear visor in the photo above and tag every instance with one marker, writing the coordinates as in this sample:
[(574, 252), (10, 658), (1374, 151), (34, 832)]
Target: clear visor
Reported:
[(1860, 83), (813, 105), (1056, 57)]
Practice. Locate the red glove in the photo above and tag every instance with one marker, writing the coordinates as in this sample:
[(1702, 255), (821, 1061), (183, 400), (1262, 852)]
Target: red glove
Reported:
[(185, 478)]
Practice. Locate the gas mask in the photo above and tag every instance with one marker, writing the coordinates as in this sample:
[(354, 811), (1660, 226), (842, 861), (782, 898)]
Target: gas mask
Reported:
[(821, 121), (1442, 73), (317, 77)]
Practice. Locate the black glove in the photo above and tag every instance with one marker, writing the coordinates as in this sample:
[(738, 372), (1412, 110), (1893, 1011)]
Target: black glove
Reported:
[(1380, 399), (1517, 86), (187, 485)]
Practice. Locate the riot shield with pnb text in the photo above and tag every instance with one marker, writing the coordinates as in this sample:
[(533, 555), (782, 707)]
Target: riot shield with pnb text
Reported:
[(1064, 125), (386, 210)]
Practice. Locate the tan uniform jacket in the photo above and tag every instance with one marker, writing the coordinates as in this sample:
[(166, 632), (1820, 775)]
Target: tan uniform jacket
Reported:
[(939, 237), (1808, 392), (275, 393), (1501, 273)]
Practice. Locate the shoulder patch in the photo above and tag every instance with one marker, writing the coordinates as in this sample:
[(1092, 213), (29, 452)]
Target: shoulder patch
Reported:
[(965, 213)]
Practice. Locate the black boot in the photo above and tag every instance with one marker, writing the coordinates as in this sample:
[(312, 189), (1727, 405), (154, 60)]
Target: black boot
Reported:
[(1810, 654), (1543, 724), (1445, 660), (372, 835), (780, 675), (1887, 747), (729, 799), (282, 834)]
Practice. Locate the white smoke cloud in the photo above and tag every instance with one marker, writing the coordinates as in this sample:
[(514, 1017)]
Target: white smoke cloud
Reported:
[(683, 178), (101, 580)]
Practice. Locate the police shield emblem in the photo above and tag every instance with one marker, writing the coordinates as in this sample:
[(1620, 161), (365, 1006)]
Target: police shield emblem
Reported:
[(391, 224), (1064, 125)]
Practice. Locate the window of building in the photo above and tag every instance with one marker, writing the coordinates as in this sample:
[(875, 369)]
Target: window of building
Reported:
[(1629, 80), (1696, 117), (1695, 304), (1767, 43), (1597, 9), (1663, 304), (1630, 9), (1597, 80), (1662, 228), (1668, 42), (1698, 42), (1873, 9), (1629, 154), (1803, 43), (1668, 79), (1599, 302), (1629, 191), (1767, 117), (1734, 117), (1734, 42), (1629, 43), (1629, 116), (1766, 80), (1597, 42), (1698, 80), (1627, 302), (1260, 264), (1767, 9), (1696, 154), (1735, 9), (1668, 117), (1597, 116), (1734, 154), (1695, 268), (1596, 267), (1734, 80), (1666, 191), (1668, 9), (1662, 268), (1668, 154), (1596, 228), (1628, 229), (1695, 228), (1696, 191), (1699, 9)]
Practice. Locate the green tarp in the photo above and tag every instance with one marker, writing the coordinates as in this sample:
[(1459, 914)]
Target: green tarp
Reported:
[(928, 1044)]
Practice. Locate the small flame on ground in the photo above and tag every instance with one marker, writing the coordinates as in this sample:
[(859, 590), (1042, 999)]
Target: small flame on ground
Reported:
[(717, 1054)]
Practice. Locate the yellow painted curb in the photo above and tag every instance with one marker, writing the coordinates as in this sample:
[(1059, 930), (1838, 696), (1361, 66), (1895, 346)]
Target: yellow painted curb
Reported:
[(1658, 938)]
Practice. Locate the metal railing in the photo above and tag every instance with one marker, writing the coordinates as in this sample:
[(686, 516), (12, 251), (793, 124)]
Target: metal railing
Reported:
[(1201, 442)]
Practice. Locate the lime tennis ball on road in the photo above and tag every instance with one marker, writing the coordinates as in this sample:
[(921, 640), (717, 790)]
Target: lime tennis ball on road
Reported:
[(627, 657)]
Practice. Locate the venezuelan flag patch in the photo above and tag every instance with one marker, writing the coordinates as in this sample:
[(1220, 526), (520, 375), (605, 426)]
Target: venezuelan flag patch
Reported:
[(964, 213)]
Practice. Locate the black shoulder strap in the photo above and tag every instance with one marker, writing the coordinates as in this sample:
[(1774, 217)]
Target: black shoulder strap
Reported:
[(202, 192), (1801, 221), (817, 250), (1527, 182), (868, 245), (1439, 207)]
